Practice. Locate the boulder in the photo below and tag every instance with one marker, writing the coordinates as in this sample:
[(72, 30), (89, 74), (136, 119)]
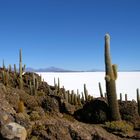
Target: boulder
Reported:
[(94, 111), (13, 130)]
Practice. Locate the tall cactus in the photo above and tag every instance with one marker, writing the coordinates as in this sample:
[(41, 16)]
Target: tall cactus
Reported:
[(20, 70), (111, 76)]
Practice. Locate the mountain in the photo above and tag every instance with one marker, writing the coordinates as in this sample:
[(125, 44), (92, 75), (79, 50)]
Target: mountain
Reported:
[(49, 69)]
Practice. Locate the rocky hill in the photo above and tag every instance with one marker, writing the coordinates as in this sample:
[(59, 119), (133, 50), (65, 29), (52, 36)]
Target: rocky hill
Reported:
[(47, 112)]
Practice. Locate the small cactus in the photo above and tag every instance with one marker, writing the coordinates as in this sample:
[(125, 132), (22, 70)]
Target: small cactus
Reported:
[(120, 97), (126, 97), (58, 85), (82, 99), (21, 107), (100, 89), (85, 92), (10, 68), (3, 65)]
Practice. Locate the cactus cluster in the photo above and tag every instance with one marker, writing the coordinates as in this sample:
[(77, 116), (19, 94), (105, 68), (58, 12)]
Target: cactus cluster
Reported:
[(33, 85)]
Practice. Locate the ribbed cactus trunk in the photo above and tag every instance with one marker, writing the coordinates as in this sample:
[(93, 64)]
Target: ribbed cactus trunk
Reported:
[(111, 75)]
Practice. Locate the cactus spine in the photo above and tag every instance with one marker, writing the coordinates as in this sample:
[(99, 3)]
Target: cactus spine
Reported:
[(111, 76)]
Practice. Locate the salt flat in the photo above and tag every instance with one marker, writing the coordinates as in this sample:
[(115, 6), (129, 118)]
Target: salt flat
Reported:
[(127, 82)]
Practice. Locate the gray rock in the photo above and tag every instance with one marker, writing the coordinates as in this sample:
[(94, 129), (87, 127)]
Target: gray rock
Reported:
[(13, 130)]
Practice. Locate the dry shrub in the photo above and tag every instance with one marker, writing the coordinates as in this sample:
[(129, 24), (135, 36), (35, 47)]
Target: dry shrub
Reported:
[(119, 126)]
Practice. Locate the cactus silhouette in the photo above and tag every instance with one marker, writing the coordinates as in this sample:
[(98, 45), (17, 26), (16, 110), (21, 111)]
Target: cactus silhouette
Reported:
[(111, 76)]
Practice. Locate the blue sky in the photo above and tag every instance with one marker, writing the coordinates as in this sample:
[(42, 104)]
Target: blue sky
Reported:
[(70, 33)]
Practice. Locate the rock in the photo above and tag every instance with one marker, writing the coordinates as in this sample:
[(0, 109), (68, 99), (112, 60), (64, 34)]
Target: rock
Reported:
[(6, 110), (13, 130), (67, 108), (94, 111), (56, 128), (51, 103)]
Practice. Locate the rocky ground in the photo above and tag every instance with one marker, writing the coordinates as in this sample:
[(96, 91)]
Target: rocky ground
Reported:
[(46, 114)]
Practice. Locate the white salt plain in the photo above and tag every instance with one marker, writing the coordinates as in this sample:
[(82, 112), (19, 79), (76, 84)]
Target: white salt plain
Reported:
[(127, 82)]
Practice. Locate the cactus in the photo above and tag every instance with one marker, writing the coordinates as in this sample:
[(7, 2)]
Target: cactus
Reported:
[(5, 77), (3, 65), (120, 97), (72, 97), (58, 85), (75, 100), (55, 82), (15, 69), (69, 97), (66, 96), (82, 99), (78, 98), (10, 68), (34, 86), (111, 76), (138, 101), (20, 62), (85, 92), (105, 94), (126, 97), (100, 89), (23, 68), (21, 107), (20, 70)]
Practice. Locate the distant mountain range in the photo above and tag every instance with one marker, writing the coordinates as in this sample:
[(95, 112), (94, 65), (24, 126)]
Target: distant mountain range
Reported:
[(49, 69), (55, 69)]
